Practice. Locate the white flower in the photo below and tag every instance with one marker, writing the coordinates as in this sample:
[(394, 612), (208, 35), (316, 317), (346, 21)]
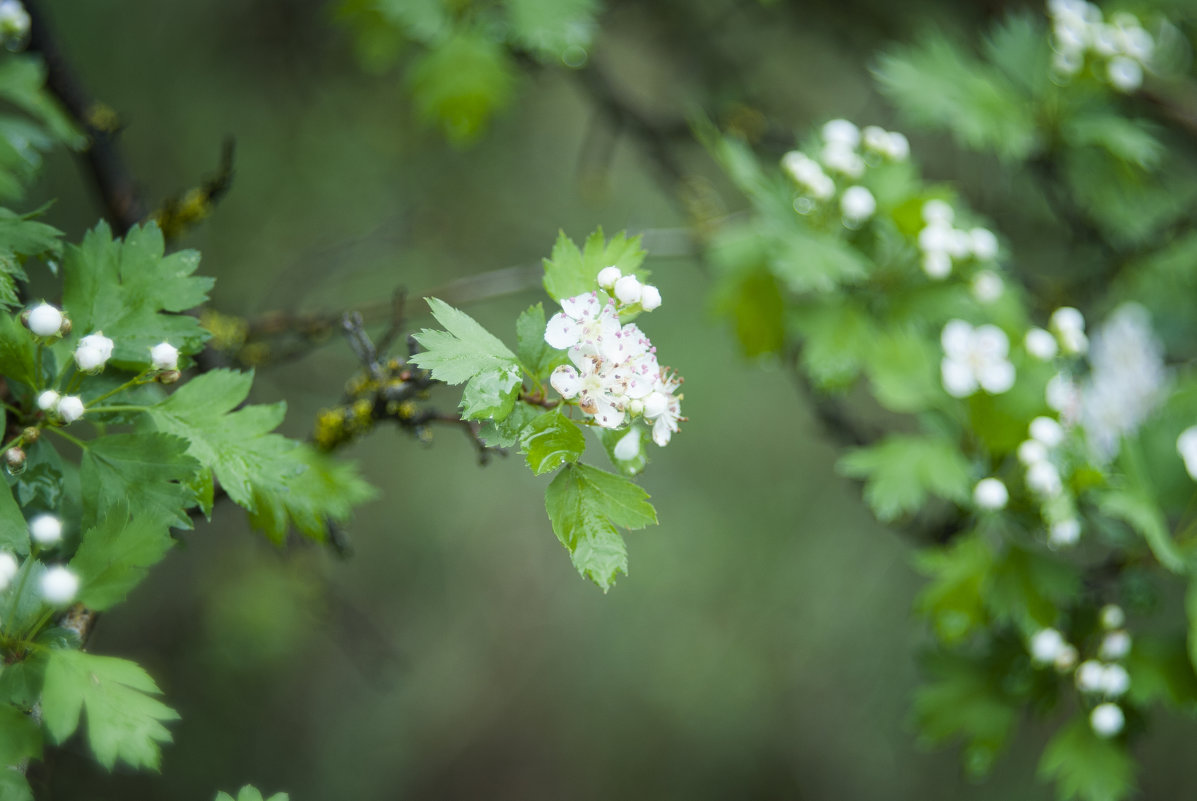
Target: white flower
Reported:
[(14, 19), (990, 493), (8, 569), (1044, 479), (975, 358), (608, 276), (984, 244), (1124, 73), (1064, 396), (1186, 445), (1107, 719), (663, 408), (164, 356), (59, 585), (1047, 431), (875, 138), (1041, 344), (1064, 533), (898, 147), (582, 324), (843, 159), (937, 264), (70, 408), (47, 400), (650, 297), (1046, 645), (1066, 659), (1115, 681), (857, 204), (1090, 676), (627, 290), (592, 389), (1069, 326), (628, 447), (987, 286), (937, 238), (938, 212), (45, 530), (93, 351), (808, 174), (45, 320), (1115, 645), (1031, 451), (1112, 616), (841, 132)]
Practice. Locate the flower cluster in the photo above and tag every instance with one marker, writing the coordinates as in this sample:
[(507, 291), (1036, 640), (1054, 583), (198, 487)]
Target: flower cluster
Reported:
[(14, 23), (614, 376), (942, 245), (846, 151), (1103, 679), (1121, 48), (58, 584), (975, 358)]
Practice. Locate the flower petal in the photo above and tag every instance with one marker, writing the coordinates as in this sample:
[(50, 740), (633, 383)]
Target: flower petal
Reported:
[(562, 331), (566, 380)]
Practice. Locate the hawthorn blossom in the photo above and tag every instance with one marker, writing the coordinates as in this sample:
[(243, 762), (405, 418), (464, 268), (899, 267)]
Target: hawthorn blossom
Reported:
[(1107, 719), (45, 530), (8, 569), (93, 352), (70, 408), (164, 356), (59, 585), (1186, 445), (583, 322), (663, 408), (975, 358), (45, 320)]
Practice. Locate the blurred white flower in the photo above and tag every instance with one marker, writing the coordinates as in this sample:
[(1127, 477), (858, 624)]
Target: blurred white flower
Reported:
[(975, 358)]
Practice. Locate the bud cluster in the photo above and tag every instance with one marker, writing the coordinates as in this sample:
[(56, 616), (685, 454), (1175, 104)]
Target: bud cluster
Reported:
[(1119, 49), (614, 376), (975, 358), (942, 245), (58, 584)]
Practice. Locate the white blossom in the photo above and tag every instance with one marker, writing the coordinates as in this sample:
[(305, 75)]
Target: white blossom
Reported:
[(1047, 431), (987, 286), (1090, 675), (93, 352), (8, 569), (663, 408), (1124, 73), (1107, 719), (164, 356), (59, 585), (650, 297), (857, 204), (1066, 658), (1031, 451), (1044, 479), (14, 20), (1064, 533), (45, 530), (937, 264), (898, 147), (975, 358), (842, 159), (628, 447), (608, 276), (628, 289), (991, 494), (1068, 324), (45, 320), (808, 174), (1115, 681), (1046, 645), (584, 322), (47, 400), (984, 244), (1115, 645), (841, 132), (1186, 445), (1112, 616), (1041, 344), (938, 212), (70, 408)]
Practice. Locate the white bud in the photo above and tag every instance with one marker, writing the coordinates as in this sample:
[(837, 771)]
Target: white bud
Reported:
[(164, 356), (1124, 73), (45, 320), (8, 569), (59, 585), (70, 408), (1090, 676), (987, 286), (1066, 658), (1041, 344), (45, 530), (841, 132), (1045, 646), (1186, 445), (1107, 719), (1065, 533), (1044, 479), (608, 276), (1115, 681), (1031, 451), (47, 400), (628, 446), (650, 297), (938, 212), (857, 204), (1047, 431), (990, 493), (937, 264), (1069, 326), (93, 351), (628, 289), (875, 138), (1112, 616), (655, 404), (984, 243), (898, 147), (1115, 645)]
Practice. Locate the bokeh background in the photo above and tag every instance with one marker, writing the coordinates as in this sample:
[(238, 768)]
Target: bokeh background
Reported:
[(760, 648)]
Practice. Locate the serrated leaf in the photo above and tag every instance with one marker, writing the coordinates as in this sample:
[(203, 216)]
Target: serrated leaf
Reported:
[(536, 355), (806, 261), (148, 473), (134, 293), (490, 395), (569, 272), (553, 29), (1027, 588), (506, 432), (20, 238), (463, 350), (248, 461), (20, 737), (903, 470), (903, 370), (251, 793), (327, 490), (41, 484), (1087, 767), (124, 721), (550, 441), (838, 338), (1142, 514), (115, 555), (461, 82), (585, 505), (954, 598), (40, 126), (14, 533), (17, 351), (1132, 141)]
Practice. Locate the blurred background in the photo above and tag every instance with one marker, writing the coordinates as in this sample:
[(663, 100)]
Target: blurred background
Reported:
[(760, 648)]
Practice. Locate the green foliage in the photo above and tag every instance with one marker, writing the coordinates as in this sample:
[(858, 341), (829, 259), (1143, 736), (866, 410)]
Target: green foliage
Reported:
[(1086, 767), (14, 536), (39, 126), (124, 721), (585, 505), (556, 29), (569, 272), (20, 740), (460, 82), (146, 471), (21, 237), (250, 793), (325, 489), (463, 350), (133, 293), (115, 555), (902, 471), (550, 441), (536, 355)]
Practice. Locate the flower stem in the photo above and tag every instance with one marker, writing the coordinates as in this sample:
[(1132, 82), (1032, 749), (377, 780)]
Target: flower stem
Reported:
[(134, 381)]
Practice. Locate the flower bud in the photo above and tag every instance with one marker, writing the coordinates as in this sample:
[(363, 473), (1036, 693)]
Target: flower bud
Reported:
[(991, 494), (48, 400), (93, 352), (1112, 616), (168, 377), (608, 276), (650, 297), (14, 461), (45, 530), (59, 585), (70, 408), (164, 356), (44, 320), (1107, 719), (1041, 344), (628, 290)]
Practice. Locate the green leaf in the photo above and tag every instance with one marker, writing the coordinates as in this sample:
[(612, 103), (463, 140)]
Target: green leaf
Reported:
[(328, 489), (954, 598), (123, 721), (1138, 510), (506, 432), (585, 505), (1132, 141), (553, 29), (14, 786), (550, 441), (839, 337), (1087, 767), (133, 293), (14, 533), (806, 261), (1028, 588), (41, 485), (248, 461), (1161, 670), (903, 368), (423, 20), (461, 82), (115, 555), (251, 793), (18, 351), (490, 395), (536, 355), (21, 681), (40, 126), (463, 350), (20, 738), (147, 473), (903, 470), (569, 272), (747, 292), (21, 237)]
